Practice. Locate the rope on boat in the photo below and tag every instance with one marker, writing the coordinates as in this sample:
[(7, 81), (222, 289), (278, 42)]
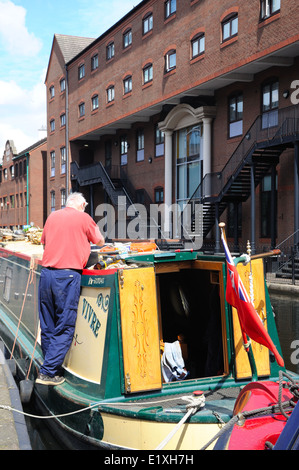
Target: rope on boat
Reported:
[(97, 404), (29, 281), (280, 407), (195, 403)]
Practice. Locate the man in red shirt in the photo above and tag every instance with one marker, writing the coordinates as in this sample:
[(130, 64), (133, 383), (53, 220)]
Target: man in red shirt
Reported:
[(66, 238)]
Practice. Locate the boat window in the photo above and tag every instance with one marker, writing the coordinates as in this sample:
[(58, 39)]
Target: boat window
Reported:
[(191, 307)]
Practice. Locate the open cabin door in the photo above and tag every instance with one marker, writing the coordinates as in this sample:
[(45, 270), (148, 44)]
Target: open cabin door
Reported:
[(261, 353), (140, 330)]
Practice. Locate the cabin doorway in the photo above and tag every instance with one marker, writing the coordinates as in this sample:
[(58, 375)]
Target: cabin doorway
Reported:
[(191, 311)]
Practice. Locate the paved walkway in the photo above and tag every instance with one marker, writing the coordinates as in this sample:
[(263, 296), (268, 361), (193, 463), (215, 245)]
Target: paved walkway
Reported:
[(13, 429)]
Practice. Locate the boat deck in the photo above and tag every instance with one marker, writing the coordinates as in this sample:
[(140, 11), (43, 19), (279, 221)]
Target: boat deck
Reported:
[(219, 405)]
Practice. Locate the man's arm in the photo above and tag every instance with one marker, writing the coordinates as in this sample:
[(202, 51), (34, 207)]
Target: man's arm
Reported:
[(101, 242)]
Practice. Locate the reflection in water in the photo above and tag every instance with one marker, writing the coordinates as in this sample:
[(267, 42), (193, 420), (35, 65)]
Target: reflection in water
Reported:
[(286, 309)]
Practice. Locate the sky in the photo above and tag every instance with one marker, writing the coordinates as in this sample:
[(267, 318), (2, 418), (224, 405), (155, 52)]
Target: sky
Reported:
[(27, 28)]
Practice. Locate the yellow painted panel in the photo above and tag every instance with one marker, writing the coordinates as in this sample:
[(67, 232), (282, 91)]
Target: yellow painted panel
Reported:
[(261, 353), (140, 332), (130, 433), (85, 357)]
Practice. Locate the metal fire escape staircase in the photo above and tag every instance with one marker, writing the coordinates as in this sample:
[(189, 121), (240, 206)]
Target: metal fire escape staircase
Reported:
[(119, 191), (259, 150), (96, 173)]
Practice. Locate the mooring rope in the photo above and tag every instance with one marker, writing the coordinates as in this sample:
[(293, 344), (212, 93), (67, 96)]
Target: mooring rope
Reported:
[(29, 281), (195, 403), (280, 407)]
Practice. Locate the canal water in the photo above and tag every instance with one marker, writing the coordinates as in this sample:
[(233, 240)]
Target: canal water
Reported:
[(286, 309)]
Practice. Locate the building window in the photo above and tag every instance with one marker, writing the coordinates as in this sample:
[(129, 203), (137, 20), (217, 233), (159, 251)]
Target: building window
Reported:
[(236, 115), (52, 92), (170, 8), (123, 150), (198, 45), (170, 61), (52, 201), (81, 110), (147, 23), (127, 84), (62, 85), (159, 142), (229, 27), (94, 62), (95, 102), (52, 125), (269, 8), (188, 163), (63, 160), (110, 51), (127, 38), (62, 120), (110, 94), (147, 73), (270, 97), (266, 207), (140, 145), (12, 202), (62, 198), (12, 172), (81, 71), (159, 195), (5, 174), (52, 159)]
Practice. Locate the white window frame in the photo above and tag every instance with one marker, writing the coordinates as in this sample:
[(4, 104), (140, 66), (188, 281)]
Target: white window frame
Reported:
[(170, 61), (128, 84)]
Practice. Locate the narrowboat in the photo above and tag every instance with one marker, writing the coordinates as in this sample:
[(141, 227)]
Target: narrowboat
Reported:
[(157, 360)]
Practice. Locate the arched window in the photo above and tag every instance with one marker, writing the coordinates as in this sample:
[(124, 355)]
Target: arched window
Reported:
[(229, 27), (170, 60), (147, 73), (197, 45)]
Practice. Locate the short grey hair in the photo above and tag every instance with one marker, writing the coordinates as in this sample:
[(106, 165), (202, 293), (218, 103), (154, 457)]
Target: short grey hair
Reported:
[(75, 200)]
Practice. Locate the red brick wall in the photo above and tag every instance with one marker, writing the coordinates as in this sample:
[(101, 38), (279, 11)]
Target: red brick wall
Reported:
[(56, 139), (254, 41)]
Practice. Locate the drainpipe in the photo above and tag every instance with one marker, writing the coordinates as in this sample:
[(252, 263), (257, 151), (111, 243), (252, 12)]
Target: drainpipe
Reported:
[(67, 130), (27, 189)]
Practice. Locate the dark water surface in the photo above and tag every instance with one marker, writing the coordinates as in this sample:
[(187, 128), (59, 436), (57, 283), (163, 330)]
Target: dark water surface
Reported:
[(286, 309)]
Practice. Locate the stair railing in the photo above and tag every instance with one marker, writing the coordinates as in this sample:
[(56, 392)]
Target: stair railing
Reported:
[(286, 122)]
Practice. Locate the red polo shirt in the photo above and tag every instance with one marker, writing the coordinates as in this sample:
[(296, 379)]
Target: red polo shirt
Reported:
[(67, 235)]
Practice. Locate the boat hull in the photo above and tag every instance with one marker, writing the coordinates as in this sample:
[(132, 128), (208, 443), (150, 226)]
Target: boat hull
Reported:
[(115, 395)]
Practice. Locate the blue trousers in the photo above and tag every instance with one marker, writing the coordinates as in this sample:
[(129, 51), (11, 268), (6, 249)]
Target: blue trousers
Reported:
[(59, 292)]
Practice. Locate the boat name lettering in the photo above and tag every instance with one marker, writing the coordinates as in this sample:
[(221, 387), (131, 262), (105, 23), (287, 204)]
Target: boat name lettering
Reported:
[(96, 281), (90, 315)]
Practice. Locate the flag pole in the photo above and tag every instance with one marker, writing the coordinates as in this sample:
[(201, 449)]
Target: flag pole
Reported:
[(246, 340)]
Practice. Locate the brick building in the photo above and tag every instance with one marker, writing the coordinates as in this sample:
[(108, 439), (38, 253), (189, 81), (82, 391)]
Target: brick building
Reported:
[(23, 186), (179, 100)]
